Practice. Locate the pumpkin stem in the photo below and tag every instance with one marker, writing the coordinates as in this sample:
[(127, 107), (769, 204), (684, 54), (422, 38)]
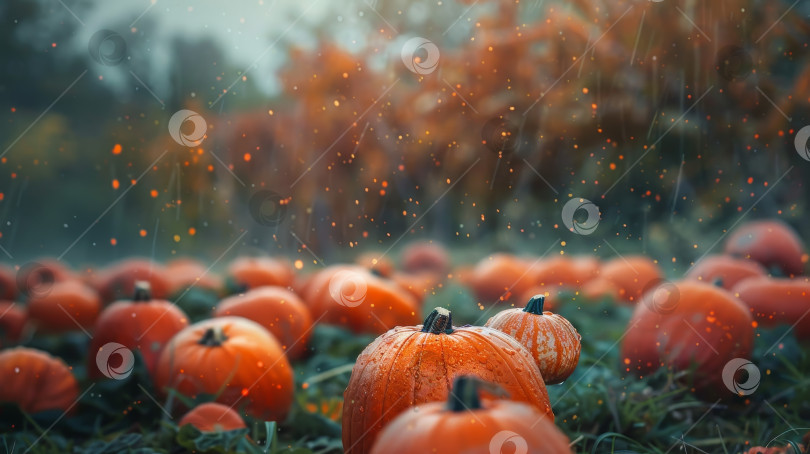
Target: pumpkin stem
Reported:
[(143, 291), (718, 281), (213, 337), (439, 321), (464, 395), (535, 305)]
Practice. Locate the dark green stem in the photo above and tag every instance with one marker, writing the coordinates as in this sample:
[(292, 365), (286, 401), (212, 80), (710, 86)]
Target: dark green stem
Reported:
[(535, 305), (213, 338), (439, 321), (464, 395), (143, 291)]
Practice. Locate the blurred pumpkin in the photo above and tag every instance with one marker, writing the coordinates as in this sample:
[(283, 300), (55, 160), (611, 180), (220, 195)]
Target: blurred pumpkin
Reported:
[(117, 281), (468, 424), (37, 277), (429, 257), (36, 381), (144, 323), (185, 272), (775, 301), (13, 322), (563, 271), (626, 278), (213, 417), (376, 262), (413, 365), (8, 284), (552, 340), (252, 272), (500, 277), (68, 306), (234, 359), (420, 284), (685, 324), (770, 242), (278, 310), (351, 297), (729, 270)]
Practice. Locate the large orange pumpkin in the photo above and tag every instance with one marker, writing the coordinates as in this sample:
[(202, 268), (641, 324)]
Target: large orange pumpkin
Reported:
[(278, 310), (500, 277), (470, 424), (728, 270), (117, 281), (552, 340), (626, 278), (414, 365), (213, 417), (36, 381), (13, 321), (234, 359), (352, 297), (778, 301), (688, 323), (68, 306), (771, 243), (252, 272), (143, 324)]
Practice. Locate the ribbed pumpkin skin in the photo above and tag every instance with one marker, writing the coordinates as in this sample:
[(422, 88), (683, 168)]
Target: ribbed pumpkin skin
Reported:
[(405, 367), (432, 428), (213, 417), (36, 381), (552, 340), (778, 301)]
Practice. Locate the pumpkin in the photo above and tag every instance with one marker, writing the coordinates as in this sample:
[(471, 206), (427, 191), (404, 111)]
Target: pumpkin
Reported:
[(775, 301), (724, 269), (213, 417), (13, 320), (501, 276), (420, 284), (428, 257), (37, 278), (376, 262), (252, 272), (36, 381), (470, 424), (117, 281), (68, 306), (703, 325), (144, 323), (8, 284), (351, 297), (626, 278), (234, 359), (278, 310), (414, 365), (552, 340), (772, 243), (567, 272), (185, 273)]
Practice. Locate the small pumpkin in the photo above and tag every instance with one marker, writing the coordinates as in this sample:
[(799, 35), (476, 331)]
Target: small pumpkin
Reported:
[(352, 297), (143, 323), (234, 359), (117, 281), (413, 365), (36, 278), (552, 340), (500, 277), (770, 242), (626, 278), (688, 323), (36, 381), (213, 417), (775, 301), (13, 322), (726, 270), (420, 285), (68, 306), (252, 272), (278, 310), (376, 262), (470, 424), (429, 257), (567, 272), (184, 273)]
